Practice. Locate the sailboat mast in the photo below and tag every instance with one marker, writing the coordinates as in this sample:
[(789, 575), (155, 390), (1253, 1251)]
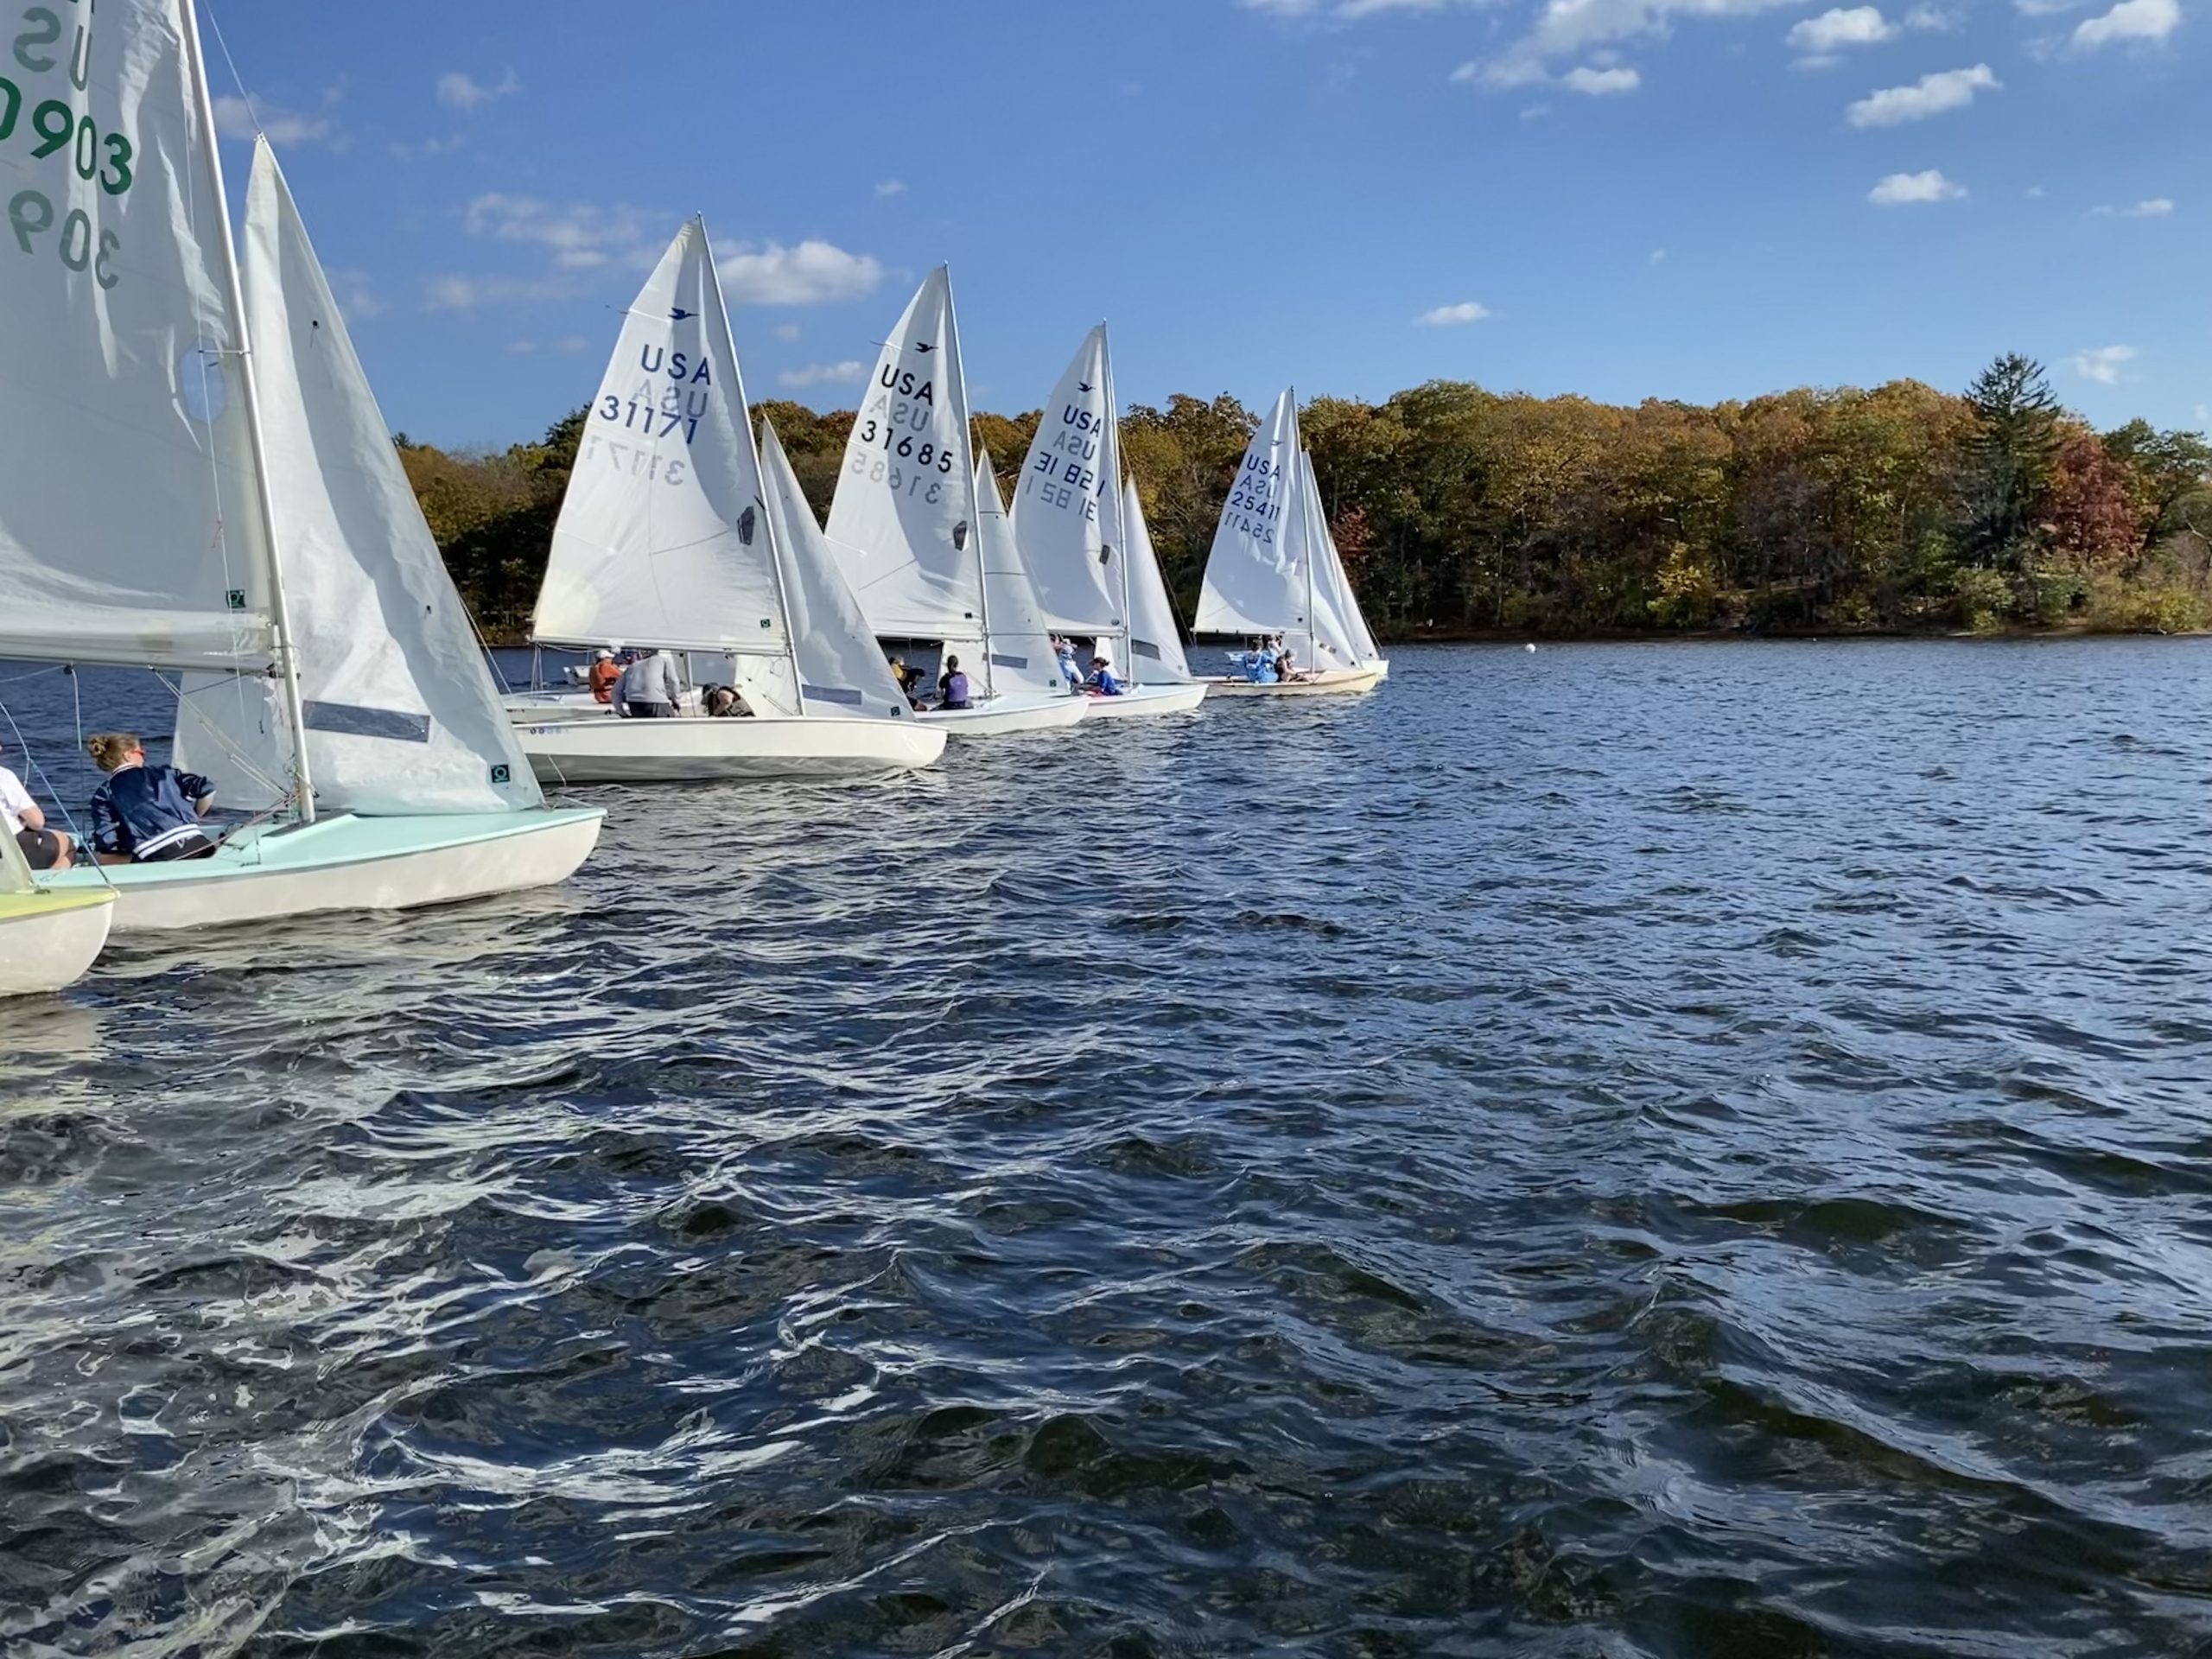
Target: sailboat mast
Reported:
[(1305, 536), (1113, 471), (288, 660), (968, 472)]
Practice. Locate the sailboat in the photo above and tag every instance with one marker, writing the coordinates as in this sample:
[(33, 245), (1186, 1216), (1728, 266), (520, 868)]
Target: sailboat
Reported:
[(48, 940), (1331, 576), (238, 518), (1263, 574), (906, 528), (1091, 558), (674, 534)]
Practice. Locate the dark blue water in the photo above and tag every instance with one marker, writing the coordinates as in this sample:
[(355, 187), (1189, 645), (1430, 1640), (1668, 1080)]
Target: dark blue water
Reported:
[(1689, 1150)]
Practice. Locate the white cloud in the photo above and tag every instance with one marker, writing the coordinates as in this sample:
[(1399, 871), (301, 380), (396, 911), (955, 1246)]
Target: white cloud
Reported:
[(1346, 10), (1852, 26), (850, 373), (522, 347), (1448, 317), (2102, 366), (2131, 20), (1901, 189), (580, 236), (572, 343), (1570, 29), (786, 331), (1934, 18), (2157, 207), (467, 293), (811, 274), (892, 187), (2044, 8), (2034, 193), (1658, 255), (1600, 83), (355, 294), (234, 118), (461, 91), (1953, 89)]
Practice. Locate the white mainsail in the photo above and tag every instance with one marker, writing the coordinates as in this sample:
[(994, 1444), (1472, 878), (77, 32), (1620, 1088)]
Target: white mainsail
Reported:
[(128, 527), (663, 538), (1068, 501), (1155, 643), (1263, 574), (840, 664), (401, 716), (1021, 657), (903, 521)]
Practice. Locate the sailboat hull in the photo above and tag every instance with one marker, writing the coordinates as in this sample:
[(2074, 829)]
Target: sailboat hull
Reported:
[(347, 863), (48, 940), (598, 749), (1320, 685), (1004, 716), (1139, 701)]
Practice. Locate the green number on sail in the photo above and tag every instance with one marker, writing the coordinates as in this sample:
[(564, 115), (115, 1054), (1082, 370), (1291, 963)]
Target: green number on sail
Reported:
[(118, 157), (14, 94), (29, 213), (57, 125)]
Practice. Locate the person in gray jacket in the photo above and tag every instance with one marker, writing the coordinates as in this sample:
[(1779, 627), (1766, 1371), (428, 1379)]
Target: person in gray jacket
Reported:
[(648, 689)]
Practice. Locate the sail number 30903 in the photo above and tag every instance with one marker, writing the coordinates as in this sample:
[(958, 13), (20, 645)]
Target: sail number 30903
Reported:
[(52, 128)]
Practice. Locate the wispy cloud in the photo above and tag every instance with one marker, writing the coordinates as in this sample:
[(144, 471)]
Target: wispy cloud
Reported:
[(2144, 21), (2102, 366), (469, 293), (1841, 26), (1451, 316), (1572, 28), (1347, 10), (786, 331), (1600, 83), (2156, 207), (581, 236), (892, 187), (850, 373), (1936, 94), (355, 293), (459, 90), (235, 119), (1905, 189), (812, 273)]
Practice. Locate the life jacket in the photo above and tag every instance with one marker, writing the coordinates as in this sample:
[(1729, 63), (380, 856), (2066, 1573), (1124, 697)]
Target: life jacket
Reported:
[(603, 678), (956, 689)]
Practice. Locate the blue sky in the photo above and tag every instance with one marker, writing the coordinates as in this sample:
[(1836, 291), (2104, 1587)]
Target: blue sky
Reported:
[(1694, 199)]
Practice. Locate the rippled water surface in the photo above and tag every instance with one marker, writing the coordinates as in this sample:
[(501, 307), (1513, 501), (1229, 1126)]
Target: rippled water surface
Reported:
[(1676, 1150)]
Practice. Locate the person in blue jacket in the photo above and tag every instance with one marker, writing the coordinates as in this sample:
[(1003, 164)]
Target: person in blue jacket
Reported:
[(143, 814), (1102, 682)]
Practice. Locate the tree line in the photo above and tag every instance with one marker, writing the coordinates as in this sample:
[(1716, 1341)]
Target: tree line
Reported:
[(1463, 510)]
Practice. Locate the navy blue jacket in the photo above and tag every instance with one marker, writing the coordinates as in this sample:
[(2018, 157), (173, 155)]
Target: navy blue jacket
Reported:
[(142, 809)]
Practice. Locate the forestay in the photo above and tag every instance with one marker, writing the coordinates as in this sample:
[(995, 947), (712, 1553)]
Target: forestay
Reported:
[(842, 670), (128, 528), (1021, 655), (662, 538), (1067, 502), (902, 520), (401, 715), (1155, 644)]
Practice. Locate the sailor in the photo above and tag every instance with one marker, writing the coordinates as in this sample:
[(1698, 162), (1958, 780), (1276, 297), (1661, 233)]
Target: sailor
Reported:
[(1102, 682), (648, 688), (143, 814), (1064, 650), (952, 686), (724, 702), (25, 819), (605, 675)]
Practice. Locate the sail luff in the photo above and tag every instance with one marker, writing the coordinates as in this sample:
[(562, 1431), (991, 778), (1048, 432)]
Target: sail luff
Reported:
[(961, 423), (287, 657), (1110, 459)]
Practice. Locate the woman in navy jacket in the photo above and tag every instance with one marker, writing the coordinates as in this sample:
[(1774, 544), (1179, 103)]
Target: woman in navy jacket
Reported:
[(143, 814)]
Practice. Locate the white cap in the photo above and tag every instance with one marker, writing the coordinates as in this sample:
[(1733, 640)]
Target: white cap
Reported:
[(604, 654)]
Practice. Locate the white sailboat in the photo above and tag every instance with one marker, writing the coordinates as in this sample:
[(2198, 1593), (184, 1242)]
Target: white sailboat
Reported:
[(263, 541), (48, 940), (905, 527), (673, 534), (1263, 574), (1331, 575), (1092, 560)]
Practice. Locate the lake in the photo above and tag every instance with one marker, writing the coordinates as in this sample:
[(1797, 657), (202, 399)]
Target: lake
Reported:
[(1686, 1150)]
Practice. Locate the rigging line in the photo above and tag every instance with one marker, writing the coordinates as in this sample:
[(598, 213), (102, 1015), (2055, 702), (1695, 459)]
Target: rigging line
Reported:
[(184, 701), (207, 10)]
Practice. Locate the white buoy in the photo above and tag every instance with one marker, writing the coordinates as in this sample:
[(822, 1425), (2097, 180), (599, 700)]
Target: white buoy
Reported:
[(1530, 646)]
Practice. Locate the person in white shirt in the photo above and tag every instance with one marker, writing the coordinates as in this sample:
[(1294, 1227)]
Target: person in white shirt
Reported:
[(648, 689), (25, 819)]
